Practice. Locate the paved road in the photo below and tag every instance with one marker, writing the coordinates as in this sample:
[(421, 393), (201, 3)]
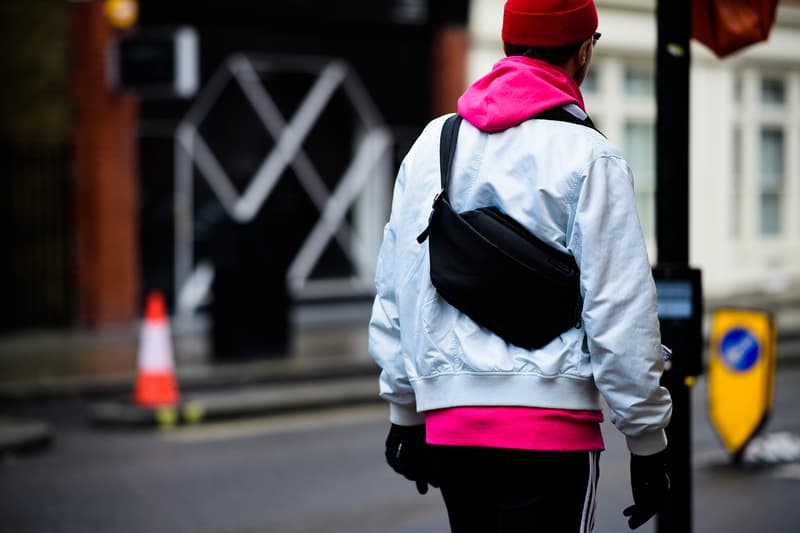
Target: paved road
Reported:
[(324, 472)]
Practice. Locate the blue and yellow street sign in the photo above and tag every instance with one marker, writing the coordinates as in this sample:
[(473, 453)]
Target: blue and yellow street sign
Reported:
[(741, 374)]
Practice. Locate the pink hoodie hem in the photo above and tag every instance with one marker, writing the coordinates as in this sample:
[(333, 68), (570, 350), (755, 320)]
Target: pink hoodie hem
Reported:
[(521, 428)]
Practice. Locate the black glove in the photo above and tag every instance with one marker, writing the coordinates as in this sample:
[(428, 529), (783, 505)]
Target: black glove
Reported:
[(650, 486), (407, 454)]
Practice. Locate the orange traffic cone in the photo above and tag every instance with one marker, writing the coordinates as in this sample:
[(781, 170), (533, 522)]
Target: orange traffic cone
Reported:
[(155, 381)]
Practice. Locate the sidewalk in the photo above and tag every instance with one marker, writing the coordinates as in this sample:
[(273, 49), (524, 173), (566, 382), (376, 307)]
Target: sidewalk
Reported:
[(327, 364), (96, 363)]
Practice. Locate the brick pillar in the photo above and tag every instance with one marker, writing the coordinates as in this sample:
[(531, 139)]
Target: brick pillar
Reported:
[(106, 188), (449, 63)]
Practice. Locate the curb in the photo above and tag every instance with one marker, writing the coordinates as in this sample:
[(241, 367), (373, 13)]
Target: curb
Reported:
[(232, 375), (246, 402), (23, 435)]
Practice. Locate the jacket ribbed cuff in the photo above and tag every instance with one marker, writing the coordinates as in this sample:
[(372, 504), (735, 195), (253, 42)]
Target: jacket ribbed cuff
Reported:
[(647, 443)]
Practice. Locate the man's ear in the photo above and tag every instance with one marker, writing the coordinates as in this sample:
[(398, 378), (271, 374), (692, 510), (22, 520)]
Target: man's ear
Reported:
[(583, 52)]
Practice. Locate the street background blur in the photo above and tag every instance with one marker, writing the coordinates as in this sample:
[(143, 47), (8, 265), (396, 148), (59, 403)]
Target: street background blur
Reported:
[(237, 159)]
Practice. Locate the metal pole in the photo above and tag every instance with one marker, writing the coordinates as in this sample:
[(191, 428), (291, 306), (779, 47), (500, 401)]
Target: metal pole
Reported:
[(672, 228), (672, 131)]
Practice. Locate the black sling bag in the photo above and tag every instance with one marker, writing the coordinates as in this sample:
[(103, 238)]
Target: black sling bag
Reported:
[(491, 268)]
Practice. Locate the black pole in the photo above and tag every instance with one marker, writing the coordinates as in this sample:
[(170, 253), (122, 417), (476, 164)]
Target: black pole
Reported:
[(673, 60), (672, 131)]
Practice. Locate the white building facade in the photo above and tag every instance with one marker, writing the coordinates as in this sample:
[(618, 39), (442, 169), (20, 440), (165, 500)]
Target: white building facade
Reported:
[(744, 146)]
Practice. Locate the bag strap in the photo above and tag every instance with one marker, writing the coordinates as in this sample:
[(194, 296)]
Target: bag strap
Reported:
[(447, 149), (562, 115)]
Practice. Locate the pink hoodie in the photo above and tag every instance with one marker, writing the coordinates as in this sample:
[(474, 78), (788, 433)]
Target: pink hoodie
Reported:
[(516, 89)]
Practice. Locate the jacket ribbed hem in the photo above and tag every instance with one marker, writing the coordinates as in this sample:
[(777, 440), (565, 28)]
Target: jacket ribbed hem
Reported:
[(504, 389), (405, 415)]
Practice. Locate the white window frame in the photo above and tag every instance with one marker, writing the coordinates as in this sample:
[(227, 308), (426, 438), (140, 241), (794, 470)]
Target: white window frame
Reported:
[(753, 117)]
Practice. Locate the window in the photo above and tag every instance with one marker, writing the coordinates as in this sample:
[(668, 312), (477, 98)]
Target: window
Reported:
[(591, 84), (771, 170), (737, 192), (763, 181), (737, 90), (639, 82), (640, 153), (773, 92)]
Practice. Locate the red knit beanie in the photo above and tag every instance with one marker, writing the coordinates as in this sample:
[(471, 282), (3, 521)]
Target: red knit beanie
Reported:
[(548, 23)]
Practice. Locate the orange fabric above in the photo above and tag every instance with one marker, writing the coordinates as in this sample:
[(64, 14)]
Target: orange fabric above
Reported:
[(726, 26)]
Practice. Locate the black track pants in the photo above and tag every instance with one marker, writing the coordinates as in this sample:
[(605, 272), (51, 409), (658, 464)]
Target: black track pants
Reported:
[(491, 490)]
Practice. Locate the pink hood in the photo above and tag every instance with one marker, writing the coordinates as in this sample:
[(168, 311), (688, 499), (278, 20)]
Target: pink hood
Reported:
[(516, 89)]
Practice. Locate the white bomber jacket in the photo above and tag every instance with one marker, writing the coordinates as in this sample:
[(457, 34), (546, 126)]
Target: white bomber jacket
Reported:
[(572, 189)]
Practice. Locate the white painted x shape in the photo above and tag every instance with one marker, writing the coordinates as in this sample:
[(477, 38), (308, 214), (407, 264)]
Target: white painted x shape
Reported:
[(369, 159)]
